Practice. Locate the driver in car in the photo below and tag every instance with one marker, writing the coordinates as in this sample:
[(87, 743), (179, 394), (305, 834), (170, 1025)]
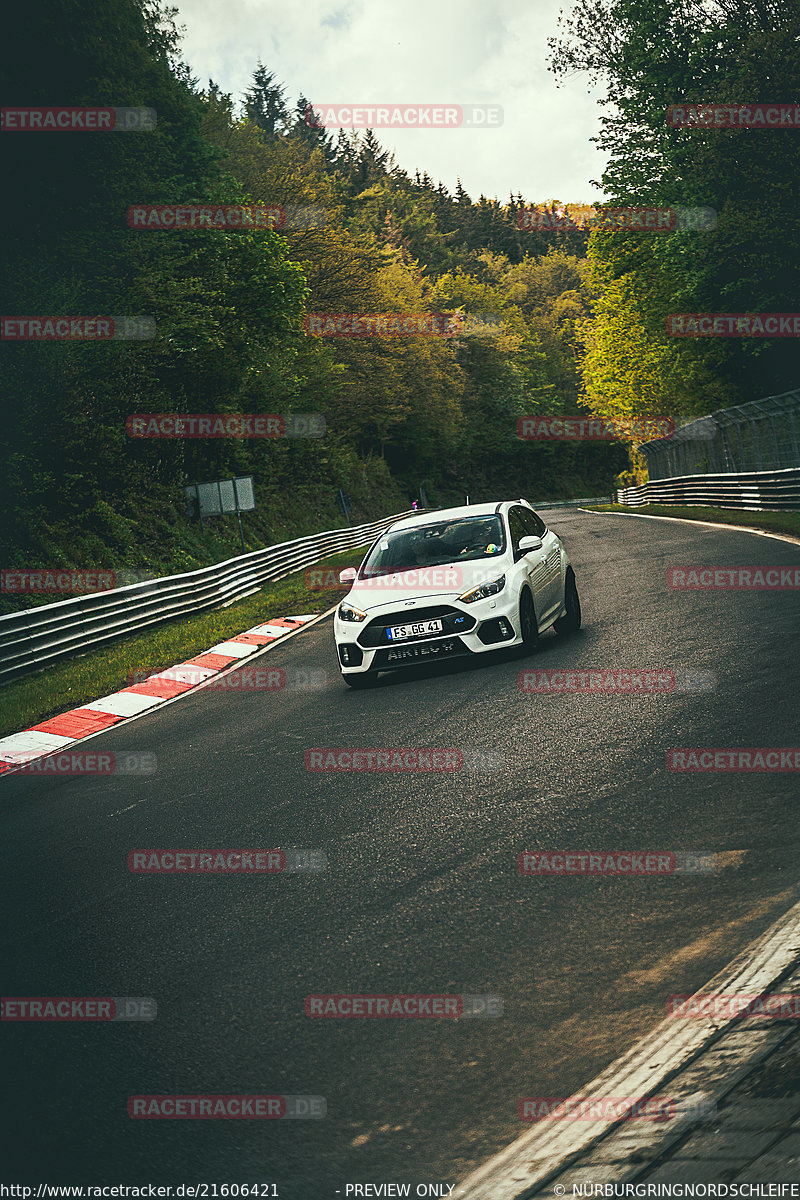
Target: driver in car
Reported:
[(481, 539)]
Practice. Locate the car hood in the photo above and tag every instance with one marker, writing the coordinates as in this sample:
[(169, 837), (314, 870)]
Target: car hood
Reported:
[(424, 584)]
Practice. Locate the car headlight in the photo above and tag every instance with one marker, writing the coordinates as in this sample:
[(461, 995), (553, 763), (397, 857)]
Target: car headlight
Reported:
[(490, 588), (348, 612)]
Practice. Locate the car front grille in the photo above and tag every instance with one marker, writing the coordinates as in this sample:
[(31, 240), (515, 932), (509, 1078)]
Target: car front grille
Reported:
[(453, 621)]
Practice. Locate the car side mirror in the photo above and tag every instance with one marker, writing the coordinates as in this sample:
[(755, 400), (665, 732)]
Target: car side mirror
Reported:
[(532, 542), (348, 575)]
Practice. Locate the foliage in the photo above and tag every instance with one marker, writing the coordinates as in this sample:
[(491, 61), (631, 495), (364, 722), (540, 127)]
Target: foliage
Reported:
[(653, 54), (229, 308)]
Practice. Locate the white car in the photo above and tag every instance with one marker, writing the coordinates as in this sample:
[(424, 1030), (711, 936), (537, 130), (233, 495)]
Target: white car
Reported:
[(454, 582)]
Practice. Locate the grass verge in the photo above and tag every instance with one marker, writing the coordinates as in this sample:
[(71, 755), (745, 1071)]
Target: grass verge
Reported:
[(770, 522), (34, 698)]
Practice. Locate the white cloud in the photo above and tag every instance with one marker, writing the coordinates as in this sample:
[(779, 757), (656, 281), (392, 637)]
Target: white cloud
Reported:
[(416, 51)]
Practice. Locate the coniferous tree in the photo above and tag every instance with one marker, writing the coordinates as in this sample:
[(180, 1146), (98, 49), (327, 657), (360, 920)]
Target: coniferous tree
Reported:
[(265, 103)]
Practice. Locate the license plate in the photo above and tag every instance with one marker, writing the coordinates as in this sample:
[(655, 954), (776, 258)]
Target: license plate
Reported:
[(397, 633)]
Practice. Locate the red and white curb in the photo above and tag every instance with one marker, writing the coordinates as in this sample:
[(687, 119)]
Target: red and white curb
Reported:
[(53, 735)]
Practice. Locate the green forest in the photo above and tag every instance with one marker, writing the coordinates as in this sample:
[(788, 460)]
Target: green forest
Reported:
[(575, 319)]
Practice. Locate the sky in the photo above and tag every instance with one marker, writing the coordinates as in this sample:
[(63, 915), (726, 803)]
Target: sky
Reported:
[(414, 52)]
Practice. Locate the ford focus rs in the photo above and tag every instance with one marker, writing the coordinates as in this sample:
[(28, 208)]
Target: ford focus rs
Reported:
[(452, 583)]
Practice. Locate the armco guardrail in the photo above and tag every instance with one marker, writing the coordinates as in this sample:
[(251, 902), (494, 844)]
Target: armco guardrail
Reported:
[(776, 490), (542, 504), (39, 636)]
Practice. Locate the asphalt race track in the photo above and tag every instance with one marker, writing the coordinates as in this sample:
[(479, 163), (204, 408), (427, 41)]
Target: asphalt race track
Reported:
[(422, 892)]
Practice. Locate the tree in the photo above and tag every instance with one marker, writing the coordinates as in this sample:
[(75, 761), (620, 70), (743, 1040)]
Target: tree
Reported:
[(652, 55), (265, 103)]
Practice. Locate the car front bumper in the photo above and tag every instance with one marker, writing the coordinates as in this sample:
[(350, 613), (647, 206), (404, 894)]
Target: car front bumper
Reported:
[(364, 646)]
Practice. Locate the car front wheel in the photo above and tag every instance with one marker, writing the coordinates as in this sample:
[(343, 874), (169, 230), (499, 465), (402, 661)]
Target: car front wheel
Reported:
[(528, 625), (571, 621)]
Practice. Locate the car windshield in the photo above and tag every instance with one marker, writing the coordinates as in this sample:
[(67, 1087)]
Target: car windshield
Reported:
[(433, 545)]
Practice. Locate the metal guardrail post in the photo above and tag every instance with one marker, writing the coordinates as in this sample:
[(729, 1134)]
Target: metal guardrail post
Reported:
[(793, 436)]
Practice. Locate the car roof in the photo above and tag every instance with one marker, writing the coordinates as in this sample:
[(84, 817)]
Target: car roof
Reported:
[(451, 514)]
